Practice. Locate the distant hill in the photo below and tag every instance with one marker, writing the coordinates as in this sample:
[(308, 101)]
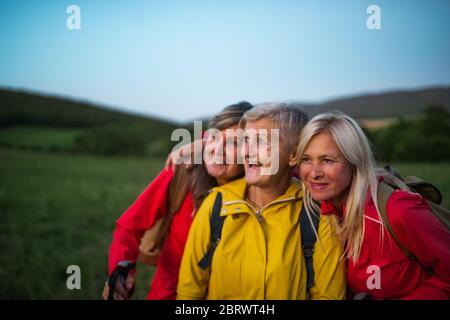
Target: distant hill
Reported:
[(39, 122), (25, 108), (384, 105)]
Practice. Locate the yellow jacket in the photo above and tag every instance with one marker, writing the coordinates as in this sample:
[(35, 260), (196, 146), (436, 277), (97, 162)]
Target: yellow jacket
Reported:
[(259, 258)]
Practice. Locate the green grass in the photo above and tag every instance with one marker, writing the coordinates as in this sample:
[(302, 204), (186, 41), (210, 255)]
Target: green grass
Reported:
[(57, 210), (37, 137)]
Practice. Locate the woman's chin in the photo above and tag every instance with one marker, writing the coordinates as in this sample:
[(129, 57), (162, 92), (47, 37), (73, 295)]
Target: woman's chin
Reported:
[(253, 179), (216, 170), (318, 196)]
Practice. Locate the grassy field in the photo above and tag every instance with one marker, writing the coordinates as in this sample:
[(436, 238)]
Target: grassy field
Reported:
[(58, 209)]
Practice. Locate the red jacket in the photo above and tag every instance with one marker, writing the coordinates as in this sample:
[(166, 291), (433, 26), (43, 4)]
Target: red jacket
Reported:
[(140, 216), (419, 231)]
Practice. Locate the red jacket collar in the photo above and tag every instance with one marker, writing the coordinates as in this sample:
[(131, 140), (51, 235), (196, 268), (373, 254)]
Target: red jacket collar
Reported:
[(327, 208)]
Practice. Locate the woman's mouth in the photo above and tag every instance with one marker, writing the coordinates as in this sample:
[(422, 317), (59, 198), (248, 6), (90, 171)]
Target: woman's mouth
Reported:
[(318, 186), (253, 164)]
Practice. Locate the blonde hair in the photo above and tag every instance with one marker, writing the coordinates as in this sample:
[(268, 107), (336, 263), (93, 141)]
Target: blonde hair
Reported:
[(355, 147)]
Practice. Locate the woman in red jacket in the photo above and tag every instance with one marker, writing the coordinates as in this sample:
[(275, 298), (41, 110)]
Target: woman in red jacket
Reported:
[(152, 204), (337, 170)]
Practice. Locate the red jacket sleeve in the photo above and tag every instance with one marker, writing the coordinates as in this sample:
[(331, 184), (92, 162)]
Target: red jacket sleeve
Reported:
[(425, 236), (140, 216)]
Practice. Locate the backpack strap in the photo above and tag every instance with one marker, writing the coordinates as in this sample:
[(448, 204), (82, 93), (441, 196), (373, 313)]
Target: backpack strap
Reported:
[(384, 192), (308, 241), (216, 223), (308, 238)]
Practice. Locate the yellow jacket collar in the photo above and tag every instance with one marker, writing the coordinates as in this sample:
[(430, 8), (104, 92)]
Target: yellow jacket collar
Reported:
[(233, 196)]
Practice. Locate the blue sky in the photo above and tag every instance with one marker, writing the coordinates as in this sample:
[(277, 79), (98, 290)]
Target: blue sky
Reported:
[(185, 59)]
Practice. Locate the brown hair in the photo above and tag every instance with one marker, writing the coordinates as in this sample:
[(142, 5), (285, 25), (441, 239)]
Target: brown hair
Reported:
[(199, 181)]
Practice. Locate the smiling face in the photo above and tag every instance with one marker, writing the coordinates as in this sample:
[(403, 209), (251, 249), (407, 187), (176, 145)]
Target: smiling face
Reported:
[(266, 159), (325, 171), (224, 169)]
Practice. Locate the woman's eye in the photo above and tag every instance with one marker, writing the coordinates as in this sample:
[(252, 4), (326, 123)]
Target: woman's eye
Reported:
[(232, 143), (305, 160), (328, 160), (262, 141)]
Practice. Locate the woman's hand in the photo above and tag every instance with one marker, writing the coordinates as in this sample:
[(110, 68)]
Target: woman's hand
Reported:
[(184, 155), (123, 290)]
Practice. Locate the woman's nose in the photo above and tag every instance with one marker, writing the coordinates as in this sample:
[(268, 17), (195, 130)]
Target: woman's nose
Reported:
[(317, 170), (218, 150), (251, 151)]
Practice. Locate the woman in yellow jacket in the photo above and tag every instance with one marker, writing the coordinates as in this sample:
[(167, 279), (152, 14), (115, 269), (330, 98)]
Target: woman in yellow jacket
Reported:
[(259, 255)]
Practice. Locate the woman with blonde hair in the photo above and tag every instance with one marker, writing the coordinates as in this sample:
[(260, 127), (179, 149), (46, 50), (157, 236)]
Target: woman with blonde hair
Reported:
[(338, 173)]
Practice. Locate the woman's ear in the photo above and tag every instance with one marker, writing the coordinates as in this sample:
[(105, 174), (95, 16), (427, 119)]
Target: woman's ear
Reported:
[(293, 157)]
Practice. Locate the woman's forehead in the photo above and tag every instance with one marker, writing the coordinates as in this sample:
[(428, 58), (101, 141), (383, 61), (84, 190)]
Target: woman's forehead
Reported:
[(323, 143), (263, 123)]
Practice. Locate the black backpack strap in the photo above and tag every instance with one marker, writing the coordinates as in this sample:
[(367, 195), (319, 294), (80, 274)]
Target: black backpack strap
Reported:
[(308, 241), (216, 224)]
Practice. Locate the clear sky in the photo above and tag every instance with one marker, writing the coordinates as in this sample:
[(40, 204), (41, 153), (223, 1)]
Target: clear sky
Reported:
[(185, 59)]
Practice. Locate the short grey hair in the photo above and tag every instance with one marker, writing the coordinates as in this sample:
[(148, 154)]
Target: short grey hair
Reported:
[(290, 120)]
